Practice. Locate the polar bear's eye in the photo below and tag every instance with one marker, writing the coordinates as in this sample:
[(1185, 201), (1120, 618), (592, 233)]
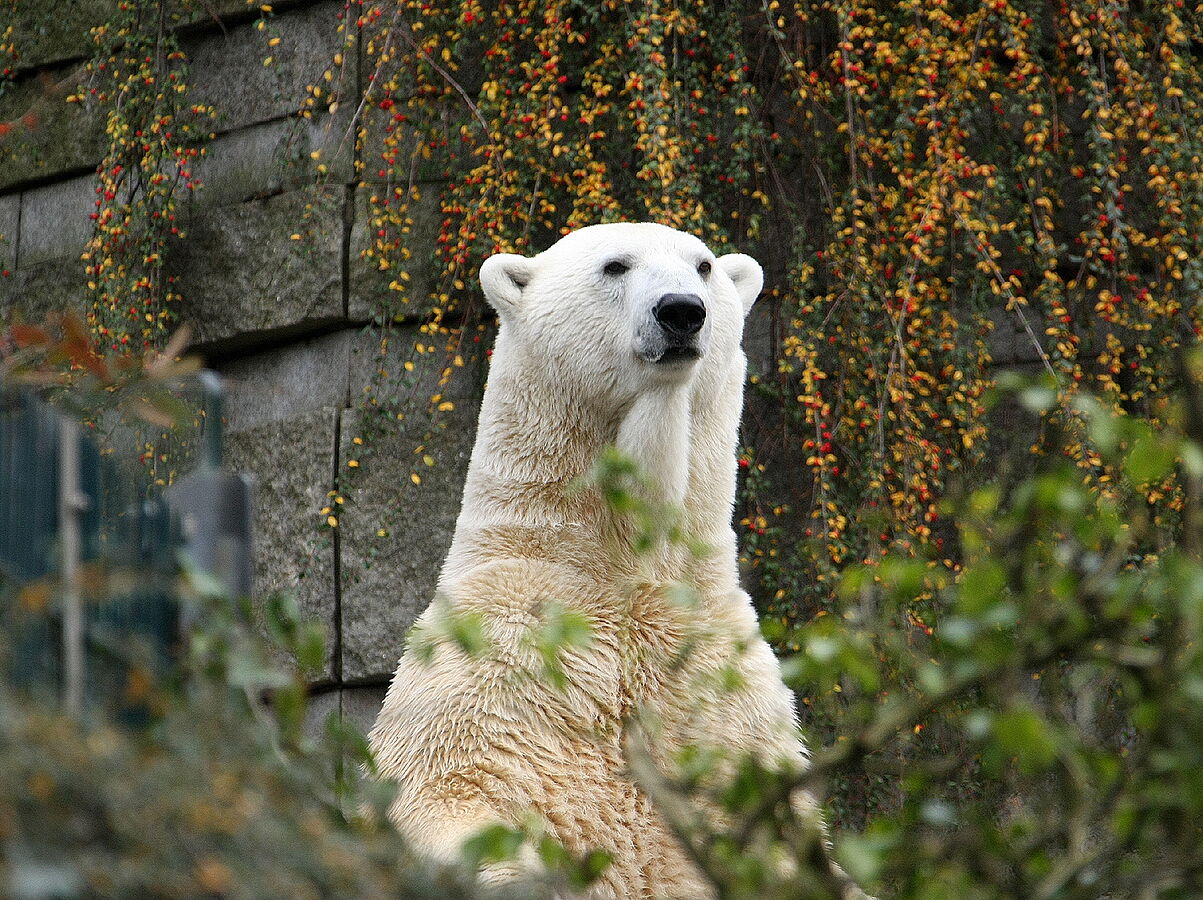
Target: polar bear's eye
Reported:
[(614, 267), (704, 268)]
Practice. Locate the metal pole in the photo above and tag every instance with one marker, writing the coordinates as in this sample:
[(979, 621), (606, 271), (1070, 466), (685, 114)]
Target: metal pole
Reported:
[(211, 385), (69, 508)]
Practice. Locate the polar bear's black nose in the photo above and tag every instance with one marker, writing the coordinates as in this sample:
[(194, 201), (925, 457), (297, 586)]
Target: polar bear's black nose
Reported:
[(680, 315)]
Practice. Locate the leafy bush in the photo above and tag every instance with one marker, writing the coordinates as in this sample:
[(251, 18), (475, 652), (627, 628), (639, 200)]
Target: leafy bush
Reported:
[(220, 794), (1028, 727), (1037, 730)]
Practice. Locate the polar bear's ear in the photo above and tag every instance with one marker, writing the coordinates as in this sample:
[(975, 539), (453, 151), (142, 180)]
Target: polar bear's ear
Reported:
[(747, 276), (503, 276)]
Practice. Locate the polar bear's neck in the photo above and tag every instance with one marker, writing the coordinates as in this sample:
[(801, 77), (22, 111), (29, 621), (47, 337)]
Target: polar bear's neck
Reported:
[(715, 410), (536, 438), (655, 433), (717, 401), (533, 441)]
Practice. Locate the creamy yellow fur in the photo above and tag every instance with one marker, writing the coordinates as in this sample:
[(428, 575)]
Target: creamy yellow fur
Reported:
[(473, 740)]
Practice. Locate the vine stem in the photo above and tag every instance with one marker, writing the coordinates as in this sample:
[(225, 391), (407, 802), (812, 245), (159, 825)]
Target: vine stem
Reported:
[(459, 89)]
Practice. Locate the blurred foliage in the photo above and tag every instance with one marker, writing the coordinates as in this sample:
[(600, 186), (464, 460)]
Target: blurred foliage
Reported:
[(223, 793), (1039, 735), (196, 778), (64, 360), (1021, 169)]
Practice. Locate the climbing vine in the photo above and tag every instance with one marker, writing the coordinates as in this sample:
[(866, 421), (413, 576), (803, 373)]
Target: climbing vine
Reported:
[(937, 190), (952, 171), (138, 80), (505, 125), (543, 117), (998, 167)]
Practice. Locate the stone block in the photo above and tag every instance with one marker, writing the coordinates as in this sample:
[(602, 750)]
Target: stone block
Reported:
[(285, 382), (55, 221), (272, 158), (1011, 429), (53, 286), (334, 136), (10, 222), (361, 705), (227, 70), (253, 162), (424, 163), (760, 337), (46, 33), (369, 294), (49, 137), (1008, 341), (395, 533), (358, 706), (215, 14), (291, 462), (381, 366), (268, 265), (318, 710)]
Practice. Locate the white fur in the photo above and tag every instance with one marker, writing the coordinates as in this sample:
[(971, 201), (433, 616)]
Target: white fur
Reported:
[(651, 435), (474, 740)]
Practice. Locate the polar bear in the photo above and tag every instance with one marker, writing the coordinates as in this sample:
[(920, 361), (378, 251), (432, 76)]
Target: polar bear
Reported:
[(623, 335)]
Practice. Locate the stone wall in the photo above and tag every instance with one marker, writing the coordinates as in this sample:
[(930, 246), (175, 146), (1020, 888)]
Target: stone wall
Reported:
[(287, 321)]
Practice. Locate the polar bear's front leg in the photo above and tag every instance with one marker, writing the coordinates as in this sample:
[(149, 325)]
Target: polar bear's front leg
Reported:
[(473, 740)]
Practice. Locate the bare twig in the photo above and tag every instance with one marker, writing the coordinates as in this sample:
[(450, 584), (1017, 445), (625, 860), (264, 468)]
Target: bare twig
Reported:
[(459, 89)]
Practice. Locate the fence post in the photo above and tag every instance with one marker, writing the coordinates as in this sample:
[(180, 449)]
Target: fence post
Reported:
[(214, 507), (71, 504)]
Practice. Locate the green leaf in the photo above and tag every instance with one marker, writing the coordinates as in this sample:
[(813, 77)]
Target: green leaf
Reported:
[(553, 854), (958, 631), (932, 678), (466, 631), (567, 627), (1192, 458), (1150, 458), (981, 586), (938, 812), (289, 703), (311, 646), (977, 723), (494, 844), (1038, 398), (1026, 736), (862, 856), (903, 577), (822, 648), (248, 672), (591, 867), (281, 615), (984, 501)]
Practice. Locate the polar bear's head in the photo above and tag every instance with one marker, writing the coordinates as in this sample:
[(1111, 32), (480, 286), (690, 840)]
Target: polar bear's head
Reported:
[(623, 305)]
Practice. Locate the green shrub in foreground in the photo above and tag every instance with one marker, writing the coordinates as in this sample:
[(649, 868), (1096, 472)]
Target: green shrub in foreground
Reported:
[(219, 795), (1037, 732)]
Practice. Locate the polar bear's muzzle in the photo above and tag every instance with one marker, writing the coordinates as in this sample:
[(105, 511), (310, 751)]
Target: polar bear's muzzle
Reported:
[(679, 318)]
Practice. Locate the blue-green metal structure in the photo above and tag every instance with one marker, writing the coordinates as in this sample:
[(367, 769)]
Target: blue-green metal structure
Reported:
[(126, 559)]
